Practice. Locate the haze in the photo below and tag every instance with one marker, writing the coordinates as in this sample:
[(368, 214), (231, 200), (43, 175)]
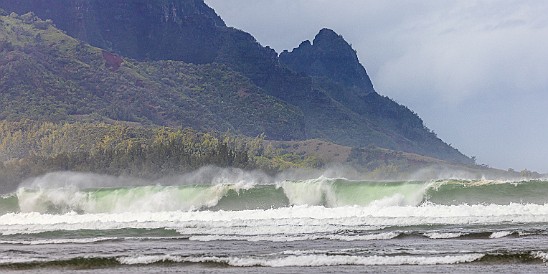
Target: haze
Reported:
[(474, 71)]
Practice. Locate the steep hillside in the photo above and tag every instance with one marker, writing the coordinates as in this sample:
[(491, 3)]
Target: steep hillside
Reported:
[(139, 29), (47, 75), (323, 86), (335, 70), (30, 148)]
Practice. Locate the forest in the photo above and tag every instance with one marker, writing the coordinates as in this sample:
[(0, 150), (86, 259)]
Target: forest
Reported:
[(29, 148)]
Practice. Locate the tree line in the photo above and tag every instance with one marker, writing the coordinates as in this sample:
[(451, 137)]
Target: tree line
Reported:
[(29, 148)]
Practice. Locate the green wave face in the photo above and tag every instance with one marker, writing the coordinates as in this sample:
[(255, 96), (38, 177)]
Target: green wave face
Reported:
[(386, 193), (153, 198), (258, 197), (9, 203), (492, 192), (316, 192)]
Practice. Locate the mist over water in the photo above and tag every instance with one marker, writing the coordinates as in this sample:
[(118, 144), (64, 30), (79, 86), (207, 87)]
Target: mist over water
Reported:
[(211, 175), (213, 188)]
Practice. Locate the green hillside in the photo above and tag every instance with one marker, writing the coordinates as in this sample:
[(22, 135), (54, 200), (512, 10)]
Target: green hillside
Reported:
[(323, 87), (48, 75), (31, 148)]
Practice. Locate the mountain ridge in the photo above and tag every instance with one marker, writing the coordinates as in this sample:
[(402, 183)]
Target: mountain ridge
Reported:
[(348, 111), (105, 24), (56, 77)]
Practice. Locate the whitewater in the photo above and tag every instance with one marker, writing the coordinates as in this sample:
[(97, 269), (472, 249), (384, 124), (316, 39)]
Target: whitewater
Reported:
[(237, 221)]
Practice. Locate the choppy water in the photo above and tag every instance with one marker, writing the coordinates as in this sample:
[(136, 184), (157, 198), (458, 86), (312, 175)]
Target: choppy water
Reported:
[(317, 225)]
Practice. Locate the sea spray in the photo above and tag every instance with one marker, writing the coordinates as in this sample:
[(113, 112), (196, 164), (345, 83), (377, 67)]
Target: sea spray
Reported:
[(308, 192), (79, 180), (211, 175), (342, 192), (125, 199), (233, 189), (56, 200)]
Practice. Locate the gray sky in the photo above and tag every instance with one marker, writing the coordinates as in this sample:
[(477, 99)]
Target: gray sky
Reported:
[(476, 72)]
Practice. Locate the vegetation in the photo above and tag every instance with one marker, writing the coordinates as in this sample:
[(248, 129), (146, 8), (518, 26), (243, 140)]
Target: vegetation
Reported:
[(191, 70), (47, 75), (30, 148)]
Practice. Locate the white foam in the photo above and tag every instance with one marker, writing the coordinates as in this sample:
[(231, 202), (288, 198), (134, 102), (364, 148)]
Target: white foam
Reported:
[(308, 192), (396, 199), (134, 199), (327, 191), (368, 237), (59, 241), (65, 191), (500, 234), (308, 260), (150, 259), (293, 238), (287, 221), (443, 235), (7, 195), (325, 260), (540, 255), (69, 191), (18, 260)]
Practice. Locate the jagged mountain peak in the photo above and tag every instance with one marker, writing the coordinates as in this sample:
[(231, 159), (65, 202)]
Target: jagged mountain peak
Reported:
[(326, 34), (330, 56)]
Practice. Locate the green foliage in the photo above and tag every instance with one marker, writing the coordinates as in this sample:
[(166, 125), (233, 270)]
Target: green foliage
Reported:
[(30, 148), (47, 75)]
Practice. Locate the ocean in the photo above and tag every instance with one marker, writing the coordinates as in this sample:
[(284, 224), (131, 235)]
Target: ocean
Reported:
[(67, 222)]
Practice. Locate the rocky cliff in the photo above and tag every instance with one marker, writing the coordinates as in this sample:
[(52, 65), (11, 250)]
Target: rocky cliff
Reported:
[(139, 29), (329, 56)]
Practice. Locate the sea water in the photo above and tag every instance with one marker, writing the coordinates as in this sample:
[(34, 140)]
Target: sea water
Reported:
[(321, 224)]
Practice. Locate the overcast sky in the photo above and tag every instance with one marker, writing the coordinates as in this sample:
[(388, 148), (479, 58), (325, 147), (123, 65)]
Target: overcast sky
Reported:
[(475, 71)]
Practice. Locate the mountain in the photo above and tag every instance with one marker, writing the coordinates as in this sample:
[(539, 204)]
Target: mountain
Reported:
[(334, 65), (148, 50), (46, 74), (334, 68), (139, 29), (329, 56)]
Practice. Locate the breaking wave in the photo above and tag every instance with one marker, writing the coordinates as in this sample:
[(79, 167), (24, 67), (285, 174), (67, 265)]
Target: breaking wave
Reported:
[(301, 260), (242, 194)]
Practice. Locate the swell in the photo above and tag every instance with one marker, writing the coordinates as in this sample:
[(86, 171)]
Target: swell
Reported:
[(121, 235), (455, 192), (75, 263), (315, 192), (9, 203), (302, 260)]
